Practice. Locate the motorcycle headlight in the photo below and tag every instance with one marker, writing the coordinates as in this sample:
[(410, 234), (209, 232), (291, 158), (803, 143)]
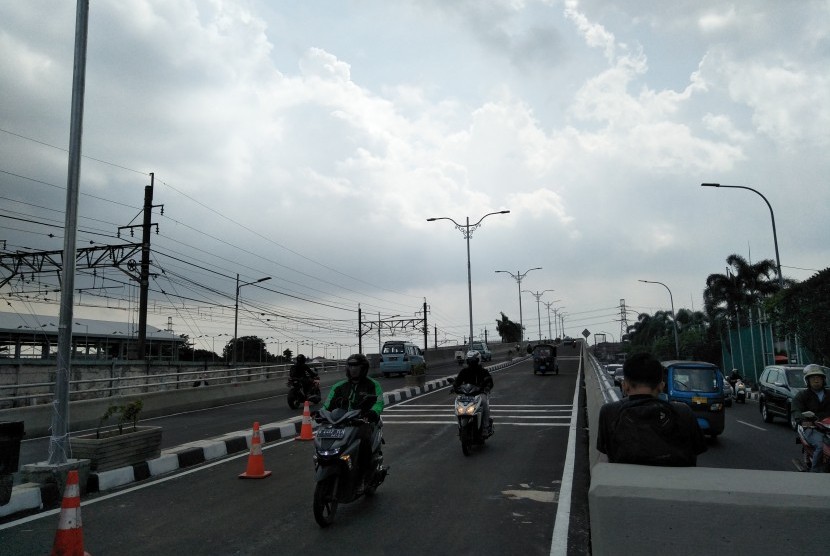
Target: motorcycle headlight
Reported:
[(471, 409)]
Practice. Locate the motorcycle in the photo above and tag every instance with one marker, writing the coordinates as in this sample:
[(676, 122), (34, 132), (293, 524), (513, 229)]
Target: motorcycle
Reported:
[(297, 395), (739, 391), (806, 460), (470, 413), (336, 460)]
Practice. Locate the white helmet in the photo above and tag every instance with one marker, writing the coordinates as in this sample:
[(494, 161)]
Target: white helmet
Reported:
[(473, 357), (813, 370)]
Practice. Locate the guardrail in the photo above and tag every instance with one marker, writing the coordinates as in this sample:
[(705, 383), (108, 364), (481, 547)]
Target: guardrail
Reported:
[(130, 378)]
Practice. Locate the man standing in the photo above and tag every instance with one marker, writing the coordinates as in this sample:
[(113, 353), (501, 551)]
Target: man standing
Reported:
[(643, 429), (816, 399)]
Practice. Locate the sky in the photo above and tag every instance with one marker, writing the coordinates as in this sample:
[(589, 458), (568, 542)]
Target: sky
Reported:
[(310, 141)]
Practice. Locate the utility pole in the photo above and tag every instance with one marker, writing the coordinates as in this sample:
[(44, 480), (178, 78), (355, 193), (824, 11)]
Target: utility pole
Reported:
[(145, 268), (144, 272), (59, 441)]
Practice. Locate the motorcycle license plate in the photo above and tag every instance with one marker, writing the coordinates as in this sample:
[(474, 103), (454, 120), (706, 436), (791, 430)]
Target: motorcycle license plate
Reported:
[(331, 433), (466, 399)]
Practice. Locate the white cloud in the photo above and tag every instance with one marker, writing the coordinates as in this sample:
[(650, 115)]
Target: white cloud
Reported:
[(312, 135)]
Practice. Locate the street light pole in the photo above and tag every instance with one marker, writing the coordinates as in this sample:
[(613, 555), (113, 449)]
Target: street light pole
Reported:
[(236, 310), (467, 230), (538, 296), (519, 276), (772, 217), (673, 319)]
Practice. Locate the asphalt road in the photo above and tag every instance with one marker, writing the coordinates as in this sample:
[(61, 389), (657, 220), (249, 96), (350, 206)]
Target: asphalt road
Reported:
[(500, 500)]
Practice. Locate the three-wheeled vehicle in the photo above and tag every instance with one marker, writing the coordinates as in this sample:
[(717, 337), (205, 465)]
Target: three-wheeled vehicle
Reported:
[(700, 386), (544, 359)]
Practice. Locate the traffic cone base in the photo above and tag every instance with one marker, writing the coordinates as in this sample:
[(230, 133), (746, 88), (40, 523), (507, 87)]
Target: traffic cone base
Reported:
[(256, 463), (305, 431), (69, 538)]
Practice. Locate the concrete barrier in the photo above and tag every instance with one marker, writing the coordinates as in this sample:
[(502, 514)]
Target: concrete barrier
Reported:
[(86, 413), (637, 509)]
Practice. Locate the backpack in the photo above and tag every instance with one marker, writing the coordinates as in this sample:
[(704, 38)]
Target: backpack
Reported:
[(647, 432)]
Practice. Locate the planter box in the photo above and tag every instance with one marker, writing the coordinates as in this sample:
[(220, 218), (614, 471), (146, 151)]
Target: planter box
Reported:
[(113, 450)]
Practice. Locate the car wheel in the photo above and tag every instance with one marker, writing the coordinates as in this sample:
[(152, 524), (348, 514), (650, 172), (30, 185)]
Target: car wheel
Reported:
[(768, 417)]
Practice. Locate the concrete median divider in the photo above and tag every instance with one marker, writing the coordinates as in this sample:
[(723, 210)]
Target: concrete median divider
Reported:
[(637, 509)]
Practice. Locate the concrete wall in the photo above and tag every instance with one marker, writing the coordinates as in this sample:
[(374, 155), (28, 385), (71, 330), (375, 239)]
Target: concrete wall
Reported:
[(638, 509), (86, 413)]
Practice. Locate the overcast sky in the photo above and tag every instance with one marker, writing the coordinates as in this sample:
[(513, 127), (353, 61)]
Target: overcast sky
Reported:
[(310, 141)]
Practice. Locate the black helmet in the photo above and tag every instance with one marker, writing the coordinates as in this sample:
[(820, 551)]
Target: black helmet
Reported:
[(357, 361), (473, 357), (301, 359)]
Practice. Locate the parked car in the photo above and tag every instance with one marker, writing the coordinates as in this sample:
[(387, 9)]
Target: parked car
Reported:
[(399, 357), (777, 387)]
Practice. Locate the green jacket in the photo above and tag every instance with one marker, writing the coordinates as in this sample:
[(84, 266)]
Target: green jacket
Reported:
[(346, 394)]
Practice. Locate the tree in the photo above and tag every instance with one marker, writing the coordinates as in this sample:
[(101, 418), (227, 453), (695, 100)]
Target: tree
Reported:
[(803, 309), (742, 288), (508, 330), (249, 348)]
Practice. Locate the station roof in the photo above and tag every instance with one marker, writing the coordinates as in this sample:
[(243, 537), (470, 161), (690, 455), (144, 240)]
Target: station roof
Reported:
[(18, 324)]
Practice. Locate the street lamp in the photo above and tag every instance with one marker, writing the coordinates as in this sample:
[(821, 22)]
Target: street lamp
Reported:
[(772, 216), (236, 310), (673, 320), (467, 231), (538, 296), (519, 276)]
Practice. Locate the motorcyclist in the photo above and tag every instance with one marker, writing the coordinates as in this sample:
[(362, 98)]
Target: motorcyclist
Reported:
[(734, 377), (304, 373), (816, 399), (349, 393), (473, 373)]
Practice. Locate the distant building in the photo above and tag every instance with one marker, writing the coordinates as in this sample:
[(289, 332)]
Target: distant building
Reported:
[(36, 337)]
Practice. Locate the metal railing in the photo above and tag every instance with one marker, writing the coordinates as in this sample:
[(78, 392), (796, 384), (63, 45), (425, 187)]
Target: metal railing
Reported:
[(166, 380)]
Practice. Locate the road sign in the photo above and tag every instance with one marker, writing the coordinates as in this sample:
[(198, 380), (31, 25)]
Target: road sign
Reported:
[(586, 333)]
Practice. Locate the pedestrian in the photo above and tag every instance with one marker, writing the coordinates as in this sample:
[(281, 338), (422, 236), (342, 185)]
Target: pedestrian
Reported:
[(643, 429)]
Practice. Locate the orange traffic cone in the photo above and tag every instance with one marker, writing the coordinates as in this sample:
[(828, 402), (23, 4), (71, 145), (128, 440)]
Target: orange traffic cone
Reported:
[(69, 538), (256, 463), (305, 430)]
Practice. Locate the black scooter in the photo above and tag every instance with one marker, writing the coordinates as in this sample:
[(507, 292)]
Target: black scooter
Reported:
[(336, 460), (297, 396), (469, 410)]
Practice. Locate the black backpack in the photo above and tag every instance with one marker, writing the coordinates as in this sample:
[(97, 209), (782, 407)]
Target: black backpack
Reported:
[(646, 432)]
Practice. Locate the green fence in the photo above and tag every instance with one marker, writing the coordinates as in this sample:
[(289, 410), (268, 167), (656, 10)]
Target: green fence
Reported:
[(750, 349)]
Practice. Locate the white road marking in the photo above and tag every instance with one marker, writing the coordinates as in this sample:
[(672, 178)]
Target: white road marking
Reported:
[(751, 425)]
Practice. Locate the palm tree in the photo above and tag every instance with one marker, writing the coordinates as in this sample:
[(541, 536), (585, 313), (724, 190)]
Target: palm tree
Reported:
[(741, 288), (737, 292)]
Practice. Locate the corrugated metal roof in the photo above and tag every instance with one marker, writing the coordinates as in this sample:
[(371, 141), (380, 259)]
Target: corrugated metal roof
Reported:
[(14, 323)]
